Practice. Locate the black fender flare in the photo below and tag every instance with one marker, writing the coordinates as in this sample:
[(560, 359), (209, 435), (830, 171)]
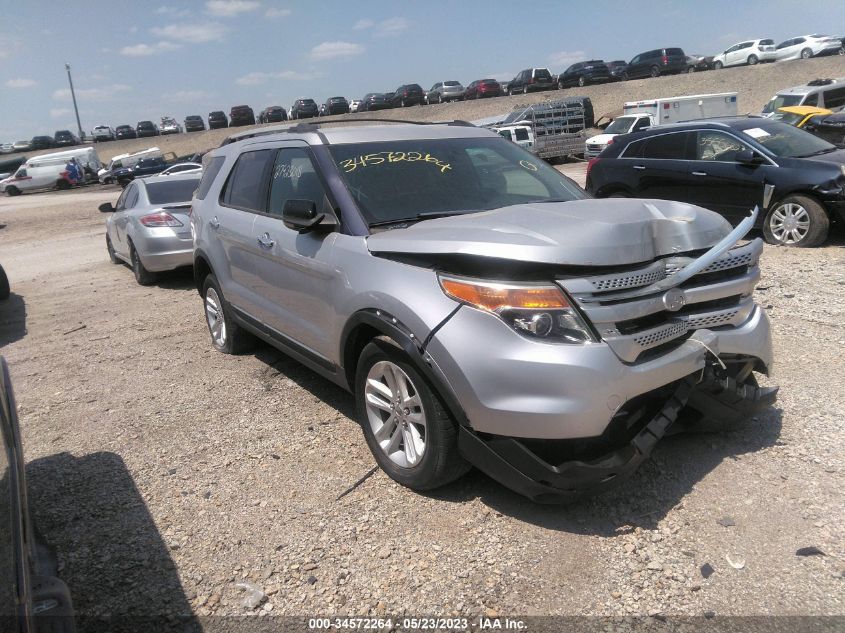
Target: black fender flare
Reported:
[(415, 347), (202, 268)]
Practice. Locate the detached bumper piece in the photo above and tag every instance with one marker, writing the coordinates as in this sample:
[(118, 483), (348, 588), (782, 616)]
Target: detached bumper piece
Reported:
[(528, 466)]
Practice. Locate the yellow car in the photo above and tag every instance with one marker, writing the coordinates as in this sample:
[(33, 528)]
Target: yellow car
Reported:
[(799, 115)]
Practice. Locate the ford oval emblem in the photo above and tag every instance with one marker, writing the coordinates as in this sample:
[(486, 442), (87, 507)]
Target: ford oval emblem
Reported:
[(674, 300)]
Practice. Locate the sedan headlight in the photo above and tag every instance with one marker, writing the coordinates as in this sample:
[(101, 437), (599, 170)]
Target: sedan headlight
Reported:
[(537, 311)]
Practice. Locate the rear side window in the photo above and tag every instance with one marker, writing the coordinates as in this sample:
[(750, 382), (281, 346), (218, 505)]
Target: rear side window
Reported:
[(246, 187), (834, 98), (663, 146), (718, 146), (767, 42)]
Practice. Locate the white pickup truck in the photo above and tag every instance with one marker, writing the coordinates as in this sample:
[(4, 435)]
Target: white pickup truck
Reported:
[(639, 115)]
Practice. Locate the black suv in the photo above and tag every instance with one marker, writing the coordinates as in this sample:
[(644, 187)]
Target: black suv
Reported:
[(336, 105), (41, 142), (531, 80), (407, 95), (729, 166), (217, 119), (660, 61), (373, 101), (304, 109), (194, 123), (617, 69), (125, 131), (241, 115), (65, 138), (592, 72), (146, 128)]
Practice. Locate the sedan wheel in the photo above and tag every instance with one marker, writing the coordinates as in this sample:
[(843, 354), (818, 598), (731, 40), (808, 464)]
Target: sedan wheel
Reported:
[(797, 221), (752, 60), (806, 53)]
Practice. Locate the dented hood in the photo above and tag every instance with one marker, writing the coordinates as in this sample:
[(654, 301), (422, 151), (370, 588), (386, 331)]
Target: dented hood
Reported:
[(607, 232)]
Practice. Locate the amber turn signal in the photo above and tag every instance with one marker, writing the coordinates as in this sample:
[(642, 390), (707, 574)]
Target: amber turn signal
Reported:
[(493, 296)]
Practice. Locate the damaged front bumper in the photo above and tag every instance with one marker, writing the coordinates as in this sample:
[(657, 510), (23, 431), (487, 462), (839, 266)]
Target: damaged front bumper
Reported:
[(530, 468)]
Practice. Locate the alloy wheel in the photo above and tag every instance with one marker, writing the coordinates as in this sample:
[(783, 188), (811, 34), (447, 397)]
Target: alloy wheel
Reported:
[(790, 223), (395, 414), (215, 318)]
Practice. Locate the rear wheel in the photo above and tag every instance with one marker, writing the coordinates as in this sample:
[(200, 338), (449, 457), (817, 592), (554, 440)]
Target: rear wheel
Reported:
[(691, 70), (655, 71), (143, 276), (796, 221), (409, 431), (806, 53), (11, 190), (581, 81), (525, 90), (752, 60), (226, 335)]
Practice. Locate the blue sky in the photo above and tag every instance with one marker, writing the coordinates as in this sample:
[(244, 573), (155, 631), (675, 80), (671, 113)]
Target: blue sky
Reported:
[(144, 59)]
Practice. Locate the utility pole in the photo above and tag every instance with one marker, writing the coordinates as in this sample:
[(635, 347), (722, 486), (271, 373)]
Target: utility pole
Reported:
[(75, 109)]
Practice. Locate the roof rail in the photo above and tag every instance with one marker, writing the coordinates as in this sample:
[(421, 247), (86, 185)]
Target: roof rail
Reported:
[(301, 128)]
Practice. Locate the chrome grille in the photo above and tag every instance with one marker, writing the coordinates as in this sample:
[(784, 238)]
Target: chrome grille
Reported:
[(707, 302)]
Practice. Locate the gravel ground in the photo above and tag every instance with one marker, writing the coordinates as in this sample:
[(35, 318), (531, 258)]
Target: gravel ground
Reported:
[(754, 84), (165, 473)]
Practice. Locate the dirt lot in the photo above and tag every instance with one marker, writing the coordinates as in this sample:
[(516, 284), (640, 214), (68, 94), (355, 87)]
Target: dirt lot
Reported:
[(754, 84), (165, 473)]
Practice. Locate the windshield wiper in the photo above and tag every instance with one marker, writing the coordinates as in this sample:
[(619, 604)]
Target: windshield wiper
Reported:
[(419, 216), (821, 151)]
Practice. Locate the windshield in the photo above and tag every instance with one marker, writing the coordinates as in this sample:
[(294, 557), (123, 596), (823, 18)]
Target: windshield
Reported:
[(172, 191), (451, 83), (787, 141), (403, 180), (621, 125), (781, 101)]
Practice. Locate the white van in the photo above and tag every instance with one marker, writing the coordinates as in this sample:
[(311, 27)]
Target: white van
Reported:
[(48, 171), (639, 115), (126, 160), (819, 93)]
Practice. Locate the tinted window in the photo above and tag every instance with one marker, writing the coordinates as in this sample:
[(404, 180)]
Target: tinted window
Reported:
[(666, 146), (834, 98), (718, 146), (521, 134), (208, 176), (246, 187), (295, 178), (811, 100), (398, 180), (542, 73), (451, 83), (674, 51), (131, 197), (767, 42), (172, 191)]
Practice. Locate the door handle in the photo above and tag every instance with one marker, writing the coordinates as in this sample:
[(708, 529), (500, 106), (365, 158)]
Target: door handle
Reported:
[(639, 166), (215, 223), (699, 173), (265, 242)]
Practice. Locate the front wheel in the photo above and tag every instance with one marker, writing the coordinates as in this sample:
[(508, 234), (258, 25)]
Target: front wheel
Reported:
[(582, 82), (655, 71), (796, 221), (752, 60), (691, 70), (717, 66), (11, 190), (806, 53), (409, 431)]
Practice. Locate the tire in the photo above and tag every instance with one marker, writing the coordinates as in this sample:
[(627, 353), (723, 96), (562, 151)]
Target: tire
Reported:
[(717, 65), (809, 218), (581, 81), (12, 191), (62, 184), (625, 76), (112, 255), (5, 290), (230, 338), (655, 72), (510, 92), (806, 53), (402, 103), (430, 458), (752, 60), (143, 276), (525, 90), (691, 70)]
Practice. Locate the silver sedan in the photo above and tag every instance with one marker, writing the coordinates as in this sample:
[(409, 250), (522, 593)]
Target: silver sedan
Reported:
[(150, 225)]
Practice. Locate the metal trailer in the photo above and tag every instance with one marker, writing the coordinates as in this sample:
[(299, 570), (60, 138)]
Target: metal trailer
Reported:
[(559, 126)]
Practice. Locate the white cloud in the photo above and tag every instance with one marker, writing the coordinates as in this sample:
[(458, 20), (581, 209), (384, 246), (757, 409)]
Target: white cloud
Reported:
[(185, 95), (333, 50), (230, 8), (58, 113), (275, 12), (173, 11), (362, 24), (190, 33), (565, 59), (105, 93), (392, 27), (257, 78), (145, 50), (21, 83)]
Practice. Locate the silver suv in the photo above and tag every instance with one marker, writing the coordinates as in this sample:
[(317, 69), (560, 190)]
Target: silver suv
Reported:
[(482, 309)]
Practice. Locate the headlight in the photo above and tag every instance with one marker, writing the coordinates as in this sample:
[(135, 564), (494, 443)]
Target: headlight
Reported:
[(537, 311)]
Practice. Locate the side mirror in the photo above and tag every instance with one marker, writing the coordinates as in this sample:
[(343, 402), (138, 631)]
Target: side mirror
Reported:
[(106, 207), (302, 216), (749, 158)]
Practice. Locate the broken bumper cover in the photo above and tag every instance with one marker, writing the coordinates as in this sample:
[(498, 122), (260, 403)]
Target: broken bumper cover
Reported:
[(511, 462)]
